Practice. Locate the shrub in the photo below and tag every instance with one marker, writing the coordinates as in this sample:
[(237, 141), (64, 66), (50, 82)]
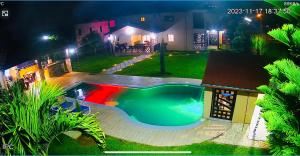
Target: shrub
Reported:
[(281, 107)]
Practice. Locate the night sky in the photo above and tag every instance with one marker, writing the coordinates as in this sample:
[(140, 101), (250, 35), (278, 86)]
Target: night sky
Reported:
[(20, 33)]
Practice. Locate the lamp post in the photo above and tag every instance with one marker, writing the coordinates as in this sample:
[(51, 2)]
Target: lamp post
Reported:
[(39, 61), (259, 17), (71, 51)]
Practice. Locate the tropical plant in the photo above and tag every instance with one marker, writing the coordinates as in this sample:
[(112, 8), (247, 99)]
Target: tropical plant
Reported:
[(28, 123), (290, 36), (259, 44), (290, 13), (281, 107), (242, 37)]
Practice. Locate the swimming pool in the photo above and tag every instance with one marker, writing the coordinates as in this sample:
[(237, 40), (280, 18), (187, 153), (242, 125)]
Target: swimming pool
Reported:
[(163, 105)]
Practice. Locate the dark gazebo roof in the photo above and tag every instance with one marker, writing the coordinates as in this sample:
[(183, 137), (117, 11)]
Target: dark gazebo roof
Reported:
[(236, 71)]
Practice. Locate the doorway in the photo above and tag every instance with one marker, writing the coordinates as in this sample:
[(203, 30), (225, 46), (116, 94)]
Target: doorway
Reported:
[(223, 102)]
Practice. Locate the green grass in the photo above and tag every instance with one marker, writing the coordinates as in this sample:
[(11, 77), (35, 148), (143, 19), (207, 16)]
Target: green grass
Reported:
[(86, 146), (96, 63), (180, 64)]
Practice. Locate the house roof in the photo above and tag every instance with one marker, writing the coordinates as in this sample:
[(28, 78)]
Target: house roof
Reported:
[(236, 71), (156, 28), (152, 23)]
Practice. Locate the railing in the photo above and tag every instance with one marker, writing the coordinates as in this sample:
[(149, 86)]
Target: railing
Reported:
[(123, 49)]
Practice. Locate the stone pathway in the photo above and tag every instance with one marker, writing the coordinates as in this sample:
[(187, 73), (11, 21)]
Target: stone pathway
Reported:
[(125, 64)]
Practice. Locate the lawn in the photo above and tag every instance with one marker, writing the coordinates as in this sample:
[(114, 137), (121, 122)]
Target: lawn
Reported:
[(86, 146), (96, 63), (178, 64)]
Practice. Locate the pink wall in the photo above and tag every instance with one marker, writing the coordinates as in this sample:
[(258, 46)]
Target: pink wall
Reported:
[(95, 26)]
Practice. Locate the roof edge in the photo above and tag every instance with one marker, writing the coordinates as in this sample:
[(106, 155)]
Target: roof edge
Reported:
[(232, 88)]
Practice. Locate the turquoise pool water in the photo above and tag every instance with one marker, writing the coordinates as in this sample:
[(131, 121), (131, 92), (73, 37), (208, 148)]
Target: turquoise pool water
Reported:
[(164, 105)]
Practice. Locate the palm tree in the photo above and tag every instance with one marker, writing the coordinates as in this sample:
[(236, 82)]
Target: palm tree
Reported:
[(28, 125)]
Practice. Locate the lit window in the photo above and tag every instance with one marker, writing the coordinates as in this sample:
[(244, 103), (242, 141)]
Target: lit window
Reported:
[(112, 23), (146, 38), (170, 37), (143, 19)]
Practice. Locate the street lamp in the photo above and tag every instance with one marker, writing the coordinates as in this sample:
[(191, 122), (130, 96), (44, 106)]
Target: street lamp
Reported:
[(248, 19), (45, 37), (49, 37), (70, 51)]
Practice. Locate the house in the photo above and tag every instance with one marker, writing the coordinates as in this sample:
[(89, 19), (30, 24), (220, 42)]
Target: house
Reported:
[(189, 30), (230, 82)]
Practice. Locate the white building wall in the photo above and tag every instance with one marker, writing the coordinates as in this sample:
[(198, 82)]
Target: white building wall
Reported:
[(123, 37), (258, 130)]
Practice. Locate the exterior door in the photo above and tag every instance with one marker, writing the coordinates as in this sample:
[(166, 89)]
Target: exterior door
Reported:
[(200, 41), (223, 102)]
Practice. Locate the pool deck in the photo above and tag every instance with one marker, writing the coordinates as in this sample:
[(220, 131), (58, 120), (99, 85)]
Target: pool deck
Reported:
[(115, 122)]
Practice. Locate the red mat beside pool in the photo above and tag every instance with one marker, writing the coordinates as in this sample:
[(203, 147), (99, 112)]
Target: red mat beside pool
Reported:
[(104, 94)]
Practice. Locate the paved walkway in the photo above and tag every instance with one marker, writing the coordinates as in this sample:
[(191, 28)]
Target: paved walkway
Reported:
[(115, 122), (70, 79), (127, 63)]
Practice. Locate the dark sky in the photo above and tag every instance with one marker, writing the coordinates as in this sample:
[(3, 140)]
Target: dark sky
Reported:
[(20, 33)]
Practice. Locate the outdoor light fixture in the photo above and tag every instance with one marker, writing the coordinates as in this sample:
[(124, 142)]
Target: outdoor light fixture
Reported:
[(213, 31), (153, 36), (129, 30), (258, 15), (6, 73), (247, 19), (70, 51), (110, 38), (49, 37), (45, 37)]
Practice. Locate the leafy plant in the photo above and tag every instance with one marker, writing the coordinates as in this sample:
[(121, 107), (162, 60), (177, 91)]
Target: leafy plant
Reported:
[(242, 37), (290, 13), (290, 36), (27, 123), (259, 44), (281, 107)]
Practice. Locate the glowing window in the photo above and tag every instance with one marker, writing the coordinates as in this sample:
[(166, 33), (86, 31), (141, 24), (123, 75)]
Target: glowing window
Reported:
[(170, 37), (112, 23), (146, 38), (142, 19)]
